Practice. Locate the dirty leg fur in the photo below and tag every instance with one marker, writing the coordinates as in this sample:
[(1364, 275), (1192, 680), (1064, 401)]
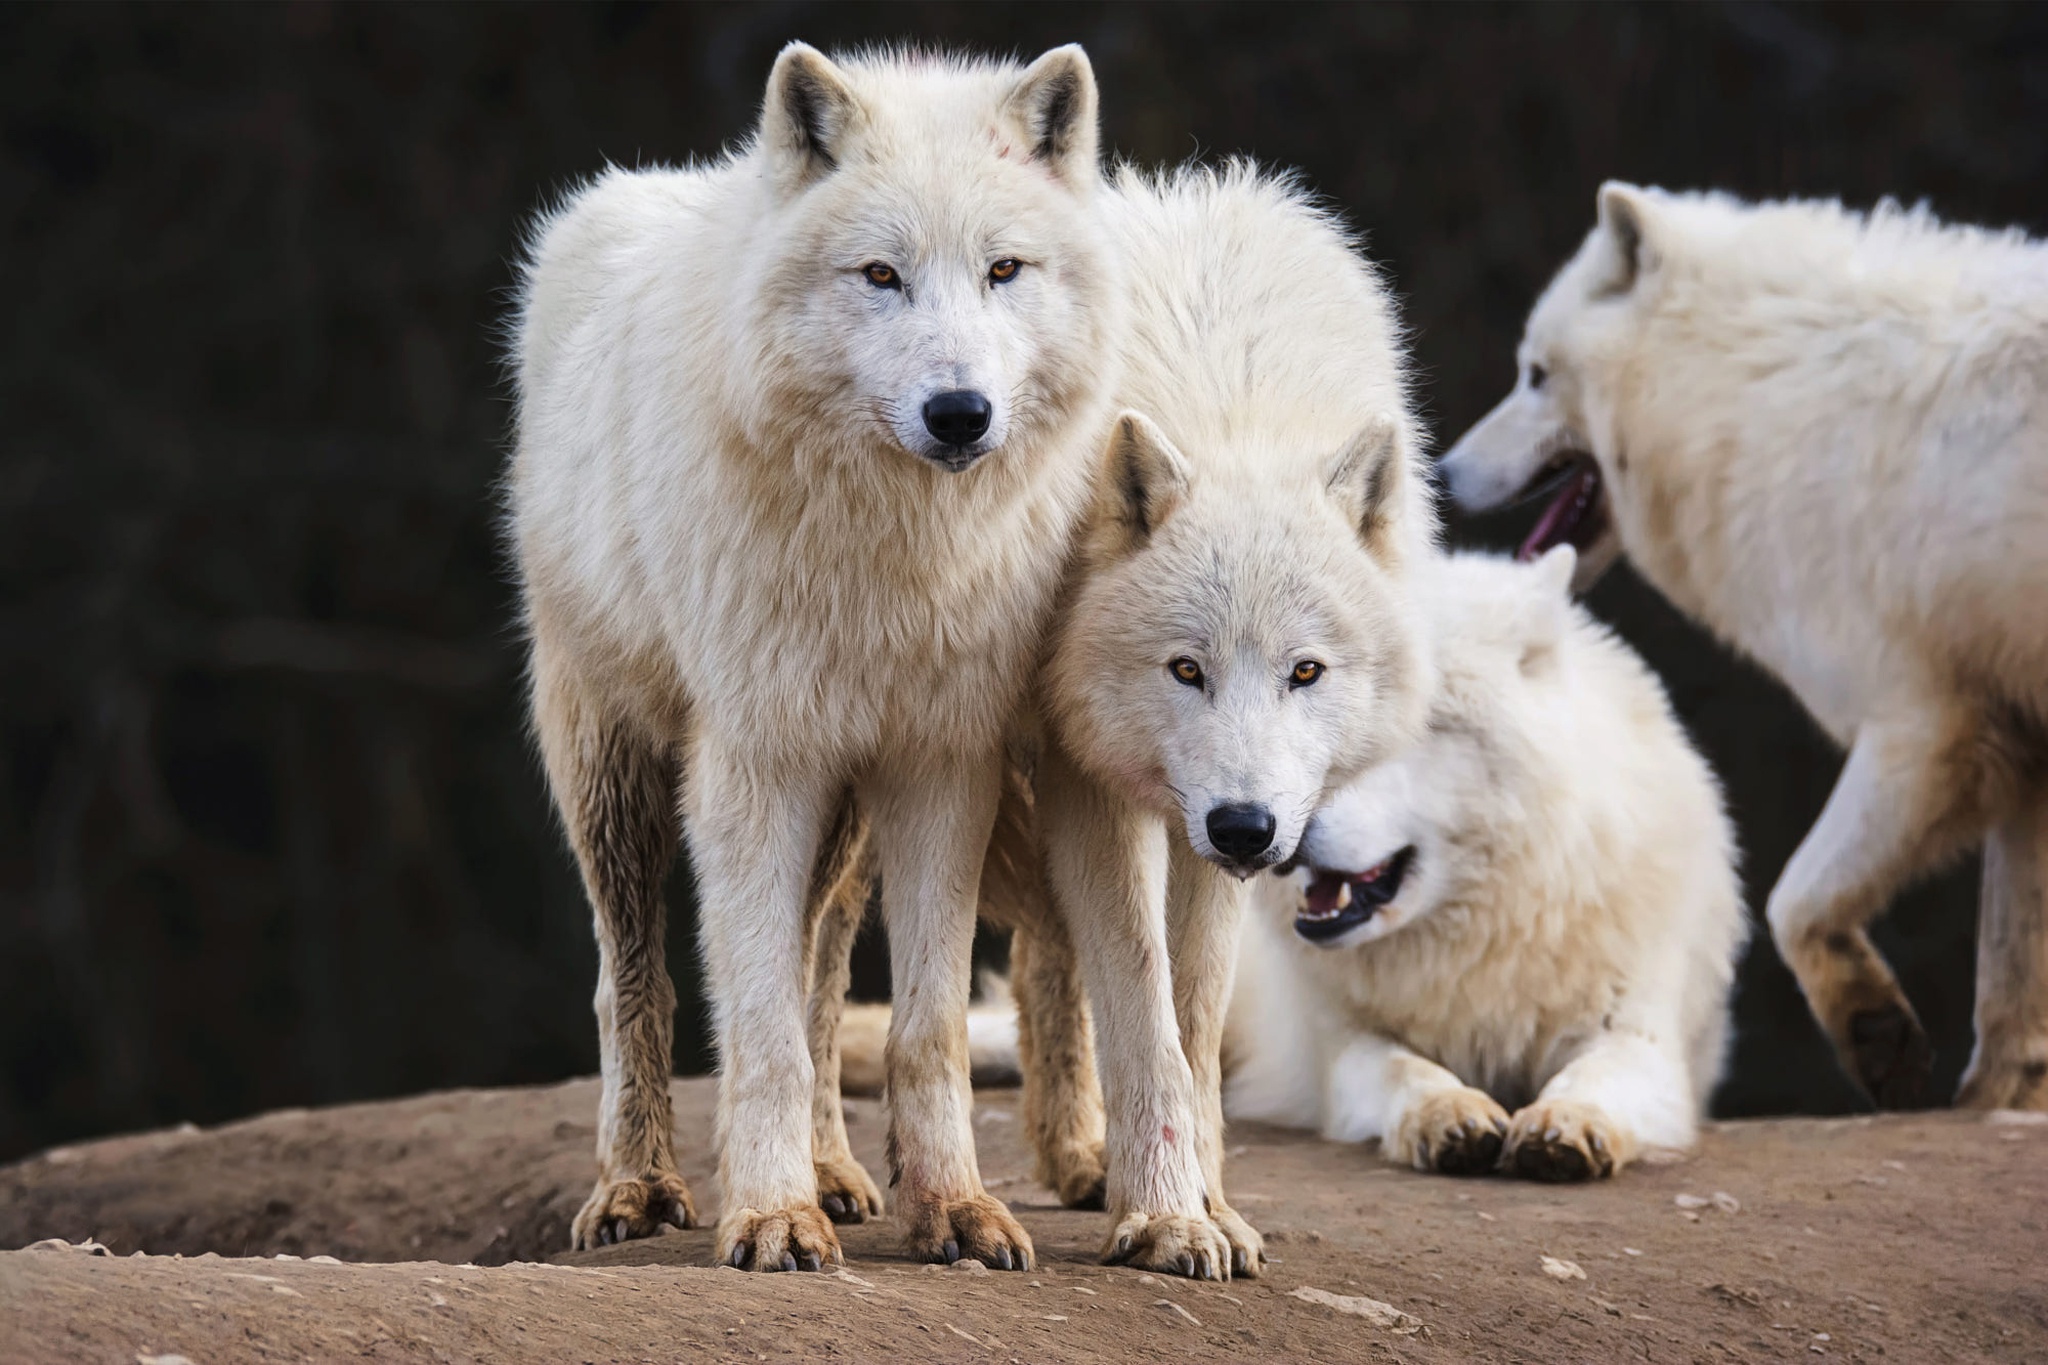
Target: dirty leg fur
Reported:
[(846, 1192), (1907, 798), (2009, 1069), (931, 822), (616, 788)]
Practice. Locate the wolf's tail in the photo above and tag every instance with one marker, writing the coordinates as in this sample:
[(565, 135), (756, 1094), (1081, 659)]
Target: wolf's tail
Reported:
[(991, 1040)]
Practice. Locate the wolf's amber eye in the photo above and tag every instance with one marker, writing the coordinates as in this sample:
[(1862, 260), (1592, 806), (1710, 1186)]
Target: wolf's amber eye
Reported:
[(882, 276), (1186, 670), (1005, 270), (1305, 672)]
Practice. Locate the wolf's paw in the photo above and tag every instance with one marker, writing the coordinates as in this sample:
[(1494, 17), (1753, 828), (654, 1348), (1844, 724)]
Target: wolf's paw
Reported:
[(2010, 1083), (846, 1191), (1563, 1140), (620, 1210), (1078, 1175), (1173, 1244), (1247, 1248), (979, 1229), (785, 1239), (1890, 1055), (1456, 1132)]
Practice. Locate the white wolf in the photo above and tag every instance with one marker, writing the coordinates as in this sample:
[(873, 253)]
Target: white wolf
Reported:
[(802, 437), (1825, 435), (1534, 908), (1237, 643)]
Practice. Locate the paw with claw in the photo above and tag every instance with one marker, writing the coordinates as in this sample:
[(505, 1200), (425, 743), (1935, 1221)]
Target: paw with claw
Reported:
[(621, 1210), (1247, 1248), (1173, 1244), (782, 1239), (846, 1192), (1564, 1140), (1454, 1132), (978, 1228)]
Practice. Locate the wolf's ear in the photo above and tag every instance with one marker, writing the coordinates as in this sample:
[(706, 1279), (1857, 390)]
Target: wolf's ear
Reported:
[(1554, 569), (1054, 108), (1369, 479), (805, 119), (1551, 613), (1625, 214), (1144, 478)]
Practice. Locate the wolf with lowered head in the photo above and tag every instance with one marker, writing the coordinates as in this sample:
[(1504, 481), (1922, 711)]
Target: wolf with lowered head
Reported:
[(802, 437)]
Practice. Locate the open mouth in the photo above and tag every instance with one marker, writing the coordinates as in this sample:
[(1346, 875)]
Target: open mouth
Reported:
[(1338, 902), (1576, 514)]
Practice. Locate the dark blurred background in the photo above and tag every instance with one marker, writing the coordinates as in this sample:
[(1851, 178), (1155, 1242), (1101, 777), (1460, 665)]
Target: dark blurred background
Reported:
[(270, 829)]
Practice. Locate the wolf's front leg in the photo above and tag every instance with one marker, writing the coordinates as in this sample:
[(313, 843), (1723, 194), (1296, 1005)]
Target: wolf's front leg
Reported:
[(754, 836), (1205, 914), (2009, 1069), (1107, 865), (931, 827), (1423, 1115), (1624, 1093), (616, 787)]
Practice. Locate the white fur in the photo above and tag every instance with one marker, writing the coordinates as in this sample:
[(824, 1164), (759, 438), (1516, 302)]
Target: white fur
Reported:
[(1567, 929), (1824, 434), (735, 530), (1263, 517)]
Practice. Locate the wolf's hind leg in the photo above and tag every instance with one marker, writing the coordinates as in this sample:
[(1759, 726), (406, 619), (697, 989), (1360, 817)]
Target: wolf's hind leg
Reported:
[(1908, 797), (1055, 1043), (839, 901), (2009, 1069), (616, 788)]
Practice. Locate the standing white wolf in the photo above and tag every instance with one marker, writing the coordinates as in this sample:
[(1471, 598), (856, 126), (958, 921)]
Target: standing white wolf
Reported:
[(1825, 435), (803, 434), (1237, 643), (1534, 908)]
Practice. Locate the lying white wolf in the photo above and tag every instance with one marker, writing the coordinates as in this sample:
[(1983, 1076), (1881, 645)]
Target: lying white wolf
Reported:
[(803, 435), (1534, 910), (1825, 436)]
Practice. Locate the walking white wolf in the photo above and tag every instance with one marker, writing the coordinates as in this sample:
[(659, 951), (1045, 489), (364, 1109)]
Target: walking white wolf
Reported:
[(1533, 909), (1825, 435), (802, 437)]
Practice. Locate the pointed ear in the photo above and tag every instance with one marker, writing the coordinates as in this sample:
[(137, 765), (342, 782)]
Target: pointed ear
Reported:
[(1054, 110), (805, 118), (1369, 479), (1145, 479), (1625, 223)]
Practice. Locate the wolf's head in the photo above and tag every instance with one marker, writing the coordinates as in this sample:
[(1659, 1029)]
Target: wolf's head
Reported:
[(1416, 833), (1557, 432), (934, 283), (1235, 653)]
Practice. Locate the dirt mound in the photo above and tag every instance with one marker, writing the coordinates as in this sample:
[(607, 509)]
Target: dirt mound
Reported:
[(1916, 1238)]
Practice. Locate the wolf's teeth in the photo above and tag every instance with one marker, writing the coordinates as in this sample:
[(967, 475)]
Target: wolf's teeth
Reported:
[(1343, 895)]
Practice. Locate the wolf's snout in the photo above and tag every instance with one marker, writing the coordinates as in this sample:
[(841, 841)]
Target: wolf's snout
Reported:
[(1241, 831), (958, 417)]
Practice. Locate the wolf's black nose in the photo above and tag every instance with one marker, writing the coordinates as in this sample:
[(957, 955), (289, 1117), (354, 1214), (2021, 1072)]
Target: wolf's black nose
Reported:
[(957, 417), (1241, 831)]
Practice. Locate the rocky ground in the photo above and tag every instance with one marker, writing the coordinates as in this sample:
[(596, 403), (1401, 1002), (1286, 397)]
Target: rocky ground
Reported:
[(433, 1228)]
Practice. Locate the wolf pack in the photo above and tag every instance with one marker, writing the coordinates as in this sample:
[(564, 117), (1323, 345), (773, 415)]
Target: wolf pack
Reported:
[(910, 506)]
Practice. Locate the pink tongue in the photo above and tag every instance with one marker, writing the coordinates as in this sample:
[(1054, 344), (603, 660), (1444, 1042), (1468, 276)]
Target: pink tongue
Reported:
[(1562, 516), (1322, 894)]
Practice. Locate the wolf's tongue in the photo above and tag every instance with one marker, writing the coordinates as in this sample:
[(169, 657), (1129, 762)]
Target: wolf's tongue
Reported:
[(1323, 893), (1560, 521)]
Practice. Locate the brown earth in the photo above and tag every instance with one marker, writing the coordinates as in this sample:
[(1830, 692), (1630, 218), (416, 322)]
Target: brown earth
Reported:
[(1914, 1238)]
